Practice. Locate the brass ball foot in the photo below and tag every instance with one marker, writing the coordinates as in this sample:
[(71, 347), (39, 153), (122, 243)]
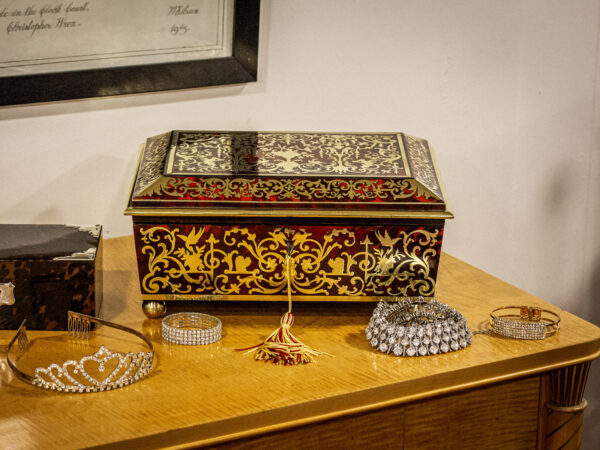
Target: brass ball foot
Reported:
[(154, 309)]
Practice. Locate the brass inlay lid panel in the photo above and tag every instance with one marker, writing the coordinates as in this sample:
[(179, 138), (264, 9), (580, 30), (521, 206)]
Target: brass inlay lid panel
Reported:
[(260, 154)]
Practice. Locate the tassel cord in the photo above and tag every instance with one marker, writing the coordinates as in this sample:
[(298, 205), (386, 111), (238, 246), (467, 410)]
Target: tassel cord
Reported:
[(282, 347)]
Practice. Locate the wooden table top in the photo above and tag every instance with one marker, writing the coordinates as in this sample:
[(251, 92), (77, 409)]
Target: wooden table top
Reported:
[(212, 393)]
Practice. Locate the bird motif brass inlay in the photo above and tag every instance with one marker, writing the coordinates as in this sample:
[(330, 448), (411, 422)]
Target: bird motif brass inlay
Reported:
[(355, 261)]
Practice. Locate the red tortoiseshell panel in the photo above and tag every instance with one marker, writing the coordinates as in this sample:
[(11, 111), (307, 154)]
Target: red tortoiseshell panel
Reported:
[(192, 261)]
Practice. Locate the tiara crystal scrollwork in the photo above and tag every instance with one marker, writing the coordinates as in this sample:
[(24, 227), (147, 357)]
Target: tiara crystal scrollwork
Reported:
[(102, 371)]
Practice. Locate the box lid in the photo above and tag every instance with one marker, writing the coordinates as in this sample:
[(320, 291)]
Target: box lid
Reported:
[(290, 174), (49, 242)]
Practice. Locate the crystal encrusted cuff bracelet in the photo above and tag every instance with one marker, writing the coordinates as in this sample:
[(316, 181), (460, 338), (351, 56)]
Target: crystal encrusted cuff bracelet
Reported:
[(415, 327), (191, 329)]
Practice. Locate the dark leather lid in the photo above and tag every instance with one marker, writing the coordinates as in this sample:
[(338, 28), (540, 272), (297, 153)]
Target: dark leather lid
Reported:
[(48, 241)]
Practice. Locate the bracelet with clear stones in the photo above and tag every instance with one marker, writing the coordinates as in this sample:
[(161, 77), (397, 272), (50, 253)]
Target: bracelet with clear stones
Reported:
[(528, 324), (415, 327), (191, 329)]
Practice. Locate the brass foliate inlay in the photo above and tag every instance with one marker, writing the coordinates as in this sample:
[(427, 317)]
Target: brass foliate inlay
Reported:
[(421, 163), (286, 154), (343, 261), (152, 163), (289, 189)]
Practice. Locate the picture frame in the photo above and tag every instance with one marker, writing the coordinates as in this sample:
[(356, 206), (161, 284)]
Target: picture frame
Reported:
[(240, 67)]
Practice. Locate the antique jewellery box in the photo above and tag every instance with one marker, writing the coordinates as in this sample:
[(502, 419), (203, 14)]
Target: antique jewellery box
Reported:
[(47, 271), (215, 213)]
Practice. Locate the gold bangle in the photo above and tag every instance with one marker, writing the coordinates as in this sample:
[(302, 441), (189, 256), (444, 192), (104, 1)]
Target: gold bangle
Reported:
[(528, 324)]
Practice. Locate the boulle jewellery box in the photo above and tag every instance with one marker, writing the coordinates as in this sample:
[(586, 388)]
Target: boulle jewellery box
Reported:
[(214, 214), (54, 269)]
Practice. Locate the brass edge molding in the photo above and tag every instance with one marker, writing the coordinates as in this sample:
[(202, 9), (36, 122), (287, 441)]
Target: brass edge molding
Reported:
[(181, 212), (258, 297), (257, 431), (263, 202)]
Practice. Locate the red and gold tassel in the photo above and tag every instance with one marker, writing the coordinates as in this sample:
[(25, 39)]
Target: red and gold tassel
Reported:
[(281, 347)]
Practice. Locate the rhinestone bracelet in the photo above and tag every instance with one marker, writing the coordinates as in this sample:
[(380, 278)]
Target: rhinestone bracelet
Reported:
[(191, 329), (417, 328), (528, 324)]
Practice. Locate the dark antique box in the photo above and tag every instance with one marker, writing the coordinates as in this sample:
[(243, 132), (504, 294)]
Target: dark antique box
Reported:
[(54, 268), (213, 212)]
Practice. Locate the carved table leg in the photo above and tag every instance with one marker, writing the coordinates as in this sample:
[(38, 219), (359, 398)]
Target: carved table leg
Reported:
[(154, 309), (564, 408)]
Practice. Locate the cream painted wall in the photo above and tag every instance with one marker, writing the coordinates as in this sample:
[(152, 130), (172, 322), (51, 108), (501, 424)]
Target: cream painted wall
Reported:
[(507, 92)]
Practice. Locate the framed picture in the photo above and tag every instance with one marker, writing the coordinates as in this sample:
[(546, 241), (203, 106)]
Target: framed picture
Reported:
[(57, 50)]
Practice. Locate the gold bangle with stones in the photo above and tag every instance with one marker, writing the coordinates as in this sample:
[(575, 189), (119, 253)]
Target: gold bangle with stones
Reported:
[(531, 322)]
